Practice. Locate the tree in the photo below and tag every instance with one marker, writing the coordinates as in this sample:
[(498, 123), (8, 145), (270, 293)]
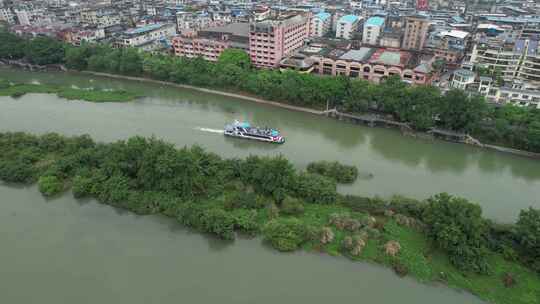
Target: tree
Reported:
[(359, 96), (235, 57), (419, 106), (316, 189), (44, 50), (12, 46), (389, 93), (77, 57), (528, 232), (456, 226), (271, 176), (460, 112)]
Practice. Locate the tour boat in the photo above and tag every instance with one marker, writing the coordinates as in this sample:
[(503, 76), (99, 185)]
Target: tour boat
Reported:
[(245, 130)]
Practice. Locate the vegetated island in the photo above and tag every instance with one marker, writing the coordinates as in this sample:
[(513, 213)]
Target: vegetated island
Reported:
[(443, 239), (16, 90)]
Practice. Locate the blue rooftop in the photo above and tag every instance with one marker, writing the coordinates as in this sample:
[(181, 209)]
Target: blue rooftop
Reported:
[(458, 19), (348, 18), (375, 21), (323, 16)]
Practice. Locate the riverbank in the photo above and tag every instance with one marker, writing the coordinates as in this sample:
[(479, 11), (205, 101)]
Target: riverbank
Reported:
[(210, 91), (222, 197), (369, 120), (16, 90)]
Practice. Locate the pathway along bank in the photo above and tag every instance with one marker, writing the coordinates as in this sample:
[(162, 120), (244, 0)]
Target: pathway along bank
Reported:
[(369, 120)]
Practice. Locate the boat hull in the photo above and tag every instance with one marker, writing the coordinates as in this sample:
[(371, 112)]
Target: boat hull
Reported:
[(247, 136)]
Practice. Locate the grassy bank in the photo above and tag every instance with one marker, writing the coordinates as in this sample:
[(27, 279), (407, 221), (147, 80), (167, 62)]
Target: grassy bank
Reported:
[(92, 95), (290, 209)]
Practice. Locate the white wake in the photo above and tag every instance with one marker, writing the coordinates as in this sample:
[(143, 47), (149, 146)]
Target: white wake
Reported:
[(209, 130)]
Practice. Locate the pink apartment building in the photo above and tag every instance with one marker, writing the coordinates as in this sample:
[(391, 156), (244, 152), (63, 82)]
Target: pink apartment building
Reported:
[(271, 40)]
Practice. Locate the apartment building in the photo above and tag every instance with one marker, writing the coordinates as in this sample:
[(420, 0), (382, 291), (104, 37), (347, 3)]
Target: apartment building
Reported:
[(347, 26), (416, 30), (211, 42), (271, 40), (497, 54), (321, 24), (100, 17), (373, 28), (530, 66), (7, 15)]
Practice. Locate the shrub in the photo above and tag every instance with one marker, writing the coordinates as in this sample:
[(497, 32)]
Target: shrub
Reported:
[(342, 174), (375, 205), (456, 226), (245, 200), (246, 221), (399, 268), (285, 234), (207, 219), (82, 186), (508, 280), (407, 206), (528, 232), (314, 188), (18, 170), (50, 185), (218, 222), (292, 206)]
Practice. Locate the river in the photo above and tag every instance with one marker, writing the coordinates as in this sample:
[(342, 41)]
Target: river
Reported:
[(501, 183), (68, 251)]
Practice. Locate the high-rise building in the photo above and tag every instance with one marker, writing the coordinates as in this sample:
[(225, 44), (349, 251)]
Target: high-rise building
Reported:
[(372, 30), (320, 24), (346, 26), (422, 5), (416, 30), (272, 39)]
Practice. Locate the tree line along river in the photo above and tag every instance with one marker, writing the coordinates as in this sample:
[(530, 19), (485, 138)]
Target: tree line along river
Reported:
[(65, 248)]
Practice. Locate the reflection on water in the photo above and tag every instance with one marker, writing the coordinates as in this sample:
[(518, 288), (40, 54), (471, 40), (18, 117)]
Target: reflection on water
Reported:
[(399, 164)]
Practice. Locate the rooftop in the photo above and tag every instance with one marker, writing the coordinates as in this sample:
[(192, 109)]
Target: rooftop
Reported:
[(323, 16), (358, 55), (348, 18), (238, 29), (390, 57), (455, 34), (375, 21), (144, 29)]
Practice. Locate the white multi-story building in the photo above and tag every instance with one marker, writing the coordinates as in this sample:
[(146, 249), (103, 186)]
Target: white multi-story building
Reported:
[(7, 15), (142, 37), (320, 24), (462, 78), (346, 26), (101, 17), (519, 59), (373, 28)]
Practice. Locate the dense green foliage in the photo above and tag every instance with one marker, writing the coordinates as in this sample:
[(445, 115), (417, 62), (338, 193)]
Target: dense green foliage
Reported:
[(457, 227), (290, 209), (50, 185), (286, 234), (340, 173), (93, 95), (422, 107), (528, 228)]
